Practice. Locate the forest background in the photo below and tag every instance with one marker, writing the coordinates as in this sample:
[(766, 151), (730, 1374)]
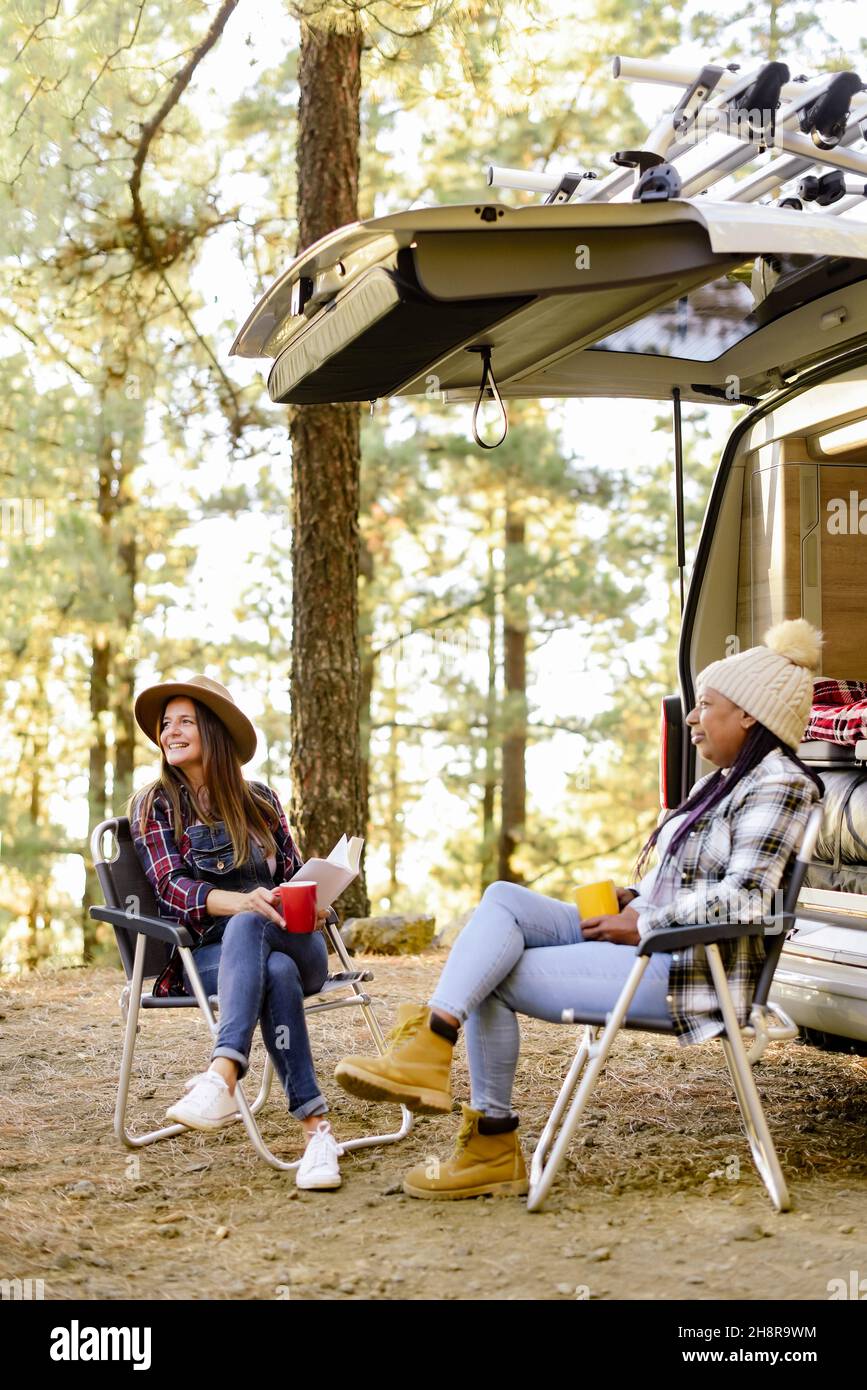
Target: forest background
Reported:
[(517, 610)]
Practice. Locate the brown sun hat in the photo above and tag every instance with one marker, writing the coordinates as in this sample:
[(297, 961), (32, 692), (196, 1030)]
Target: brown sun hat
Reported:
[(149, 703)]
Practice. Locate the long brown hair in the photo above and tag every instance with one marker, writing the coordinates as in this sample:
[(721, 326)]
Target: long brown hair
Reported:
[(230, 798)]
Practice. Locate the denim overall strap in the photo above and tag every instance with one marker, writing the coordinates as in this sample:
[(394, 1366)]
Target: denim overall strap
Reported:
[(212, 857)]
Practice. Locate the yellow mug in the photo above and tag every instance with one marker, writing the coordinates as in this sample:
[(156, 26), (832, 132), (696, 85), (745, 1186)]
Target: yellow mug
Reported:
[(597, 900)]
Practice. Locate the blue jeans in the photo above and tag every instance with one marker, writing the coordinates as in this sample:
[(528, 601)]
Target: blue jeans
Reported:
[(261, 973), (521, 952)]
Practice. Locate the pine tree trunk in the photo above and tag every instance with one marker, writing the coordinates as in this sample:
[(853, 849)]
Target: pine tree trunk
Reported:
[(365, 644), (35, 950), (100, 663), (96, 788), (489, 775), (394, 827), (123, 683), (514, 788), (773, 31), (132, 416), (325, 683)]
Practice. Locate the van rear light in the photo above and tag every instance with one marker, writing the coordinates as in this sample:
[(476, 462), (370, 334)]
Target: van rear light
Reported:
[(664, 801), (847, 437), (670, 752)]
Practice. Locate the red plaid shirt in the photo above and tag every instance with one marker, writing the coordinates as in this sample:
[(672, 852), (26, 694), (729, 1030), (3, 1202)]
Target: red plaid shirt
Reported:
[(839, 713), (169, 868)]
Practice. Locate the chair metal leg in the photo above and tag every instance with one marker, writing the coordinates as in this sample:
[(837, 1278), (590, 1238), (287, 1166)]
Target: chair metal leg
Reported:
[(130, 1008), (406, 1116), (573, 1076), (265, 1088), (746, 1091), (585, 1071), (369, 1016)]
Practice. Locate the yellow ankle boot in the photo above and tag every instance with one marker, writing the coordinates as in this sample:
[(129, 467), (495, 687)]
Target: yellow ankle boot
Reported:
[(481, 1165), (413, 1071)]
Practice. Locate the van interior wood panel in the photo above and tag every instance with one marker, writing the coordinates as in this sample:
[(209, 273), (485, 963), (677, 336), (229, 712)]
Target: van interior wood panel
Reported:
[(795, 454), (803, 550), (842, 492)]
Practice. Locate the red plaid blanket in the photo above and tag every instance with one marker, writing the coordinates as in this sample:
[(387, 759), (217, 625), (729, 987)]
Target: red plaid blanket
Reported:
[(839, 713)]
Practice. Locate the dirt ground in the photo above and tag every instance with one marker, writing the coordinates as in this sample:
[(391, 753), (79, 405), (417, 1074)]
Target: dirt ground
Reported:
[(659, 1199)]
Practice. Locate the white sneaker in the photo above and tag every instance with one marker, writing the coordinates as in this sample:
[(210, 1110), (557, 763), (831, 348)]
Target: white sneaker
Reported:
[(208, 1104), (318, 1169)]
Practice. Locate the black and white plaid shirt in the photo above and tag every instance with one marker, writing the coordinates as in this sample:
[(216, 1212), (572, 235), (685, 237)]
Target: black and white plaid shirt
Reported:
[(728, 869)]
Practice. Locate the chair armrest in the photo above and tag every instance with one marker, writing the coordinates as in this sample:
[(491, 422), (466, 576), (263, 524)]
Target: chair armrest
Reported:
[(331, 917), (148, 926), (675, 938)]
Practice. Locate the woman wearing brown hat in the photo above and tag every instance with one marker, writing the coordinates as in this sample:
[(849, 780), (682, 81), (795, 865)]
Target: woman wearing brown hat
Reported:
[(214, 846)]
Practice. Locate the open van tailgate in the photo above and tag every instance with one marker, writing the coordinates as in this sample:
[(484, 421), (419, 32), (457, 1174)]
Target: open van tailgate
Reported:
[(649, 283)]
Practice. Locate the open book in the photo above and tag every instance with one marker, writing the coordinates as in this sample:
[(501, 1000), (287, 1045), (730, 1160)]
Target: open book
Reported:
[(335, 873)]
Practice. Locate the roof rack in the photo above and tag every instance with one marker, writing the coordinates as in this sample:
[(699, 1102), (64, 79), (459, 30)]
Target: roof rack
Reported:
[(727, 119)]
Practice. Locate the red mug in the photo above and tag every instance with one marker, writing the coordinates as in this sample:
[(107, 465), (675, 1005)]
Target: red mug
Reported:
[(298, 905)]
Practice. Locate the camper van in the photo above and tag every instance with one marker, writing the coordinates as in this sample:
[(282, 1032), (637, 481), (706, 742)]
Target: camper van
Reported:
[(724, 261)]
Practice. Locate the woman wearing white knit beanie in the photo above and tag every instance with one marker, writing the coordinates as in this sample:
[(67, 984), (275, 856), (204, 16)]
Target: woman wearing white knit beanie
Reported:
[(728, 845), (773, 684)]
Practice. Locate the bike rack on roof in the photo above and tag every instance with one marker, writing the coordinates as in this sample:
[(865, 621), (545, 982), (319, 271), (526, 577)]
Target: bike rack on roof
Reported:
[(800, 122)]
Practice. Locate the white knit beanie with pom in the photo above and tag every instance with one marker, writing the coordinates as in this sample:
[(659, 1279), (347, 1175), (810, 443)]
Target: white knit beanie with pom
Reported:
[(773, 683)]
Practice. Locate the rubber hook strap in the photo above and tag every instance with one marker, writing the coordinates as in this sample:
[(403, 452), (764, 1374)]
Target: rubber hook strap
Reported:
[(489, 384)]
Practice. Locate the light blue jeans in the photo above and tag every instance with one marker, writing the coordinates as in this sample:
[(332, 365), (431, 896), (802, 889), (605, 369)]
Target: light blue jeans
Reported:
[(521, 952), (261, 974)]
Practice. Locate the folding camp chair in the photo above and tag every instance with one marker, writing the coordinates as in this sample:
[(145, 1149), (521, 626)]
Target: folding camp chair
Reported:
[(767, 1023), (145, 941)]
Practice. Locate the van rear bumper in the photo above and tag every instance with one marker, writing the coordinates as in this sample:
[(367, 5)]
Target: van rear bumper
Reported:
[(823, 994)]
